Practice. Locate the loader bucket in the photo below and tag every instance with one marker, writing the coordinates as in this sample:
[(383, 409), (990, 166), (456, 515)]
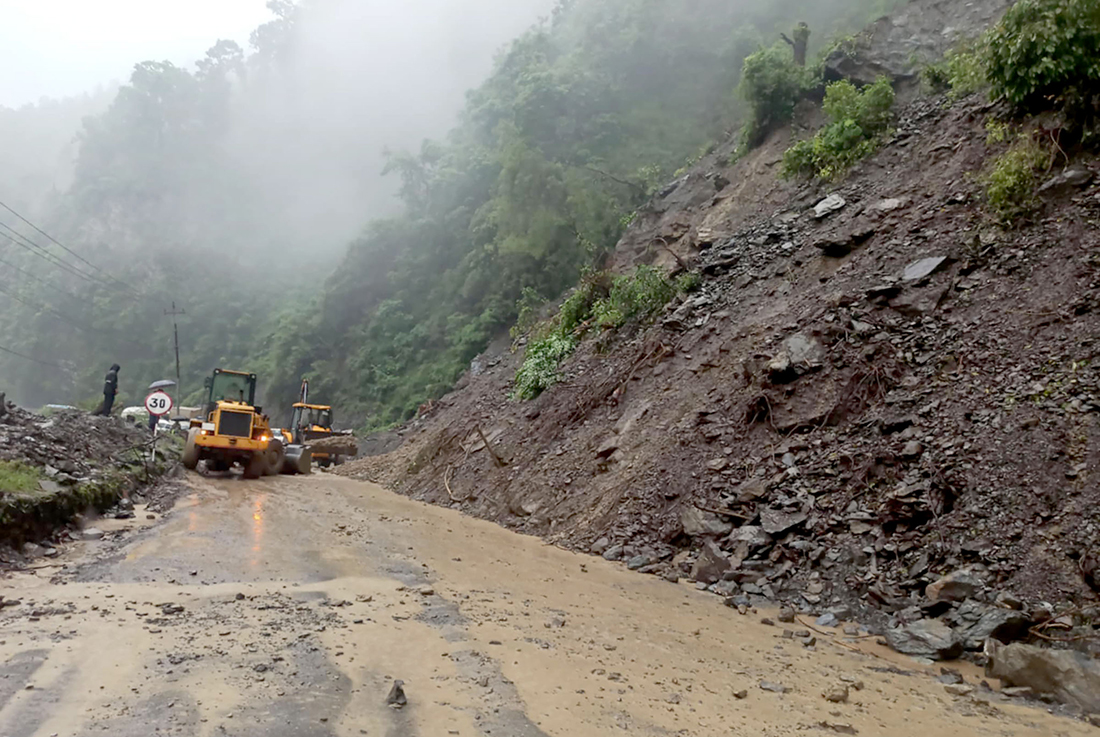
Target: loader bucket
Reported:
[(299, 459)]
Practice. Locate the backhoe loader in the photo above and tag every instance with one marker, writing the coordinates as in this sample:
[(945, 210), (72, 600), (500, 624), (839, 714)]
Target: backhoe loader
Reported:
[(232, 429), (311, 426)]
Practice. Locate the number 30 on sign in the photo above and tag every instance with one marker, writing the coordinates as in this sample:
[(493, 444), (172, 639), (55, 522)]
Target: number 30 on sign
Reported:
[(158, 403)]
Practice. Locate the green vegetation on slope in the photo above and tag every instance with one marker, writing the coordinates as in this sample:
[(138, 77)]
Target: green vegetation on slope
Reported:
[(601, 300), (1046, 50), (858, 119), (1041, 57), (17, 478)]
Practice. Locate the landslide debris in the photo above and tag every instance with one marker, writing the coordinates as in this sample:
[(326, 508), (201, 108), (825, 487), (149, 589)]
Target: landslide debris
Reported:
[(879, 405), (65, 465)]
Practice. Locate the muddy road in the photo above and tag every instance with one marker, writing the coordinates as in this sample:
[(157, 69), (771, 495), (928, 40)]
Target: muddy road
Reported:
[(288, 606)]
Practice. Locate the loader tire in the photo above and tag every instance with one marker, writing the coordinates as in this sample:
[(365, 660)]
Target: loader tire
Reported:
[(191, 451), (274, 457), (255, 466)]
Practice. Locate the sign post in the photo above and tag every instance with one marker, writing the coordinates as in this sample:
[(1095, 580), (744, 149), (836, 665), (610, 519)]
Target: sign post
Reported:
[(158, 404)]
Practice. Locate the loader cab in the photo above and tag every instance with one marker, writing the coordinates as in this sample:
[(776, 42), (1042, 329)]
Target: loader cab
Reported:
[(230, 386), (311, 420)]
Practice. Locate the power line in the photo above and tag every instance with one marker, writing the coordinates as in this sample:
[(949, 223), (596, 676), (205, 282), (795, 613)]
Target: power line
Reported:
[(33, 248), (43, 282), (65, 248), (66, 319), (31, 358), (51, 238), (28, 245), (60, 315)]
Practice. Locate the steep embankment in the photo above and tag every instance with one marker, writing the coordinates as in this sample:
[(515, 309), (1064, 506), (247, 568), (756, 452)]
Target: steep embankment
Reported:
[(876, 385)]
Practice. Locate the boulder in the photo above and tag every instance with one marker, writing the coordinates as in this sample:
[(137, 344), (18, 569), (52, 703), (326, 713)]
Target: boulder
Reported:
[(803, 350), (884, 206), (779, 368), (956, 586), (928, 638), (711, 564), (752, 490), (1072, 178), (615, 552), (920, 302), (1066, 675), (775, 521), (923, 268), (842, 243), (717, 465), (754, 537), (976, 623), (607, 448), (698, 523), (828, 206)]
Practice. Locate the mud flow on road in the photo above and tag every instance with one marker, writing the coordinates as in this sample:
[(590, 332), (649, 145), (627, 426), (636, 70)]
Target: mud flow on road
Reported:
[(289, 606)]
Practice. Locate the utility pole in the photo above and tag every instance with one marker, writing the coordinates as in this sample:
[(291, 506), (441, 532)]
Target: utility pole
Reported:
[(176, 334)]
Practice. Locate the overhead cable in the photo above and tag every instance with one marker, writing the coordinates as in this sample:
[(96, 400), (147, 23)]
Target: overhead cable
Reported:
[(31, 358)]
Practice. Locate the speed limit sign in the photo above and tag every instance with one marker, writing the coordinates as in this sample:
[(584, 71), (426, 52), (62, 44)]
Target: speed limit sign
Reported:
[(158, 403)]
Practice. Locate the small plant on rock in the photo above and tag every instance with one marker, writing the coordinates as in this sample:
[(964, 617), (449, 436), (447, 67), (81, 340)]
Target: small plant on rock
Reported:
[(858, 120), (18, 477), (1011, 181), (602, 300), (962, 71), (540, 365), (638, 295)]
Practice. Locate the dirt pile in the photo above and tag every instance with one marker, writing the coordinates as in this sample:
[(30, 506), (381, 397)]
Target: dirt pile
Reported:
[(880, 404), (69, 464)]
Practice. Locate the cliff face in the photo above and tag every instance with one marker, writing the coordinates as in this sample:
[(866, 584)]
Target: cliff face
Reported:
[(922, 31), (875, 385)]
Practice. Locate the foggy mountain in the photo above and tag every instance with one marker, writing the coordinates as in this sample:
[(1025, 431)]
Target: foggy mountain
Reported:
[(361, 78), (519, 152), (38, 148), (304, 140)]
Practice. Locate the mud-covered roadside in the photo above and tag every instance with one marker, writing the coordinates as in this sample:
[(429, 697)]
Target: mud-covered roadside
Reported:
[(291, 605), (58, 474)]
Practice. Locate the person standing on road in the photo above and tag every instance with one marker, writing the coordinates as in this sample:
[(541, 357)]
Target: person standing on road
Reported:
[(110, 390)]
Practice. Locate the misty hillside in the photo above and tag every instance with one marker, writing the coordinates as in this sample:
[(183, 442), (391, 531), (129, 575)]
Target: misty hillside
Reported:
[(230, 188), (839, 368), (264, 161)]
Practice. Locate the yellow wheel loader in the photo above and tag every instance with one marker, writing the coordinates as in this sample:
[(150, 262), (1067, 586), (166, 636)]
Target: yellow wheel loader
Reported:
[(232, 429), (311, 427)]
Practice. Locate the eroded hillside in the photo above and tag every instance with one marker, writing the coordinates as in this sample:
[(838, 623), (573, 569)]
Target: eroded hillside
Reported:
[(875, 385)]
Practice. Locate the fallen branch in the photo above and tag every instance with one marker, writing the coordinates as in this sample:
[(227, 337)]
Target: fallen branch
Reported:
[(496, 459), (834, 641), (633, 185), (680, 261), (447, 484), (1037, 630)]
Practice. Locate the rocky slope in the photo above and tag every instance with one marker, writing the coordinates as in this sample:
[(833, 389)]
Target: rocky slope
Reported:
[(68, 466), (875, 387)]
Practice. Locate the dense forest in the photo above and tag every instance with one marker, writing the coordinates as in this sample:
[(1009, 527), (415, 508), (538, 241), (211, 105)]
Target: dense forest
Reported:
[(233, 188)]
